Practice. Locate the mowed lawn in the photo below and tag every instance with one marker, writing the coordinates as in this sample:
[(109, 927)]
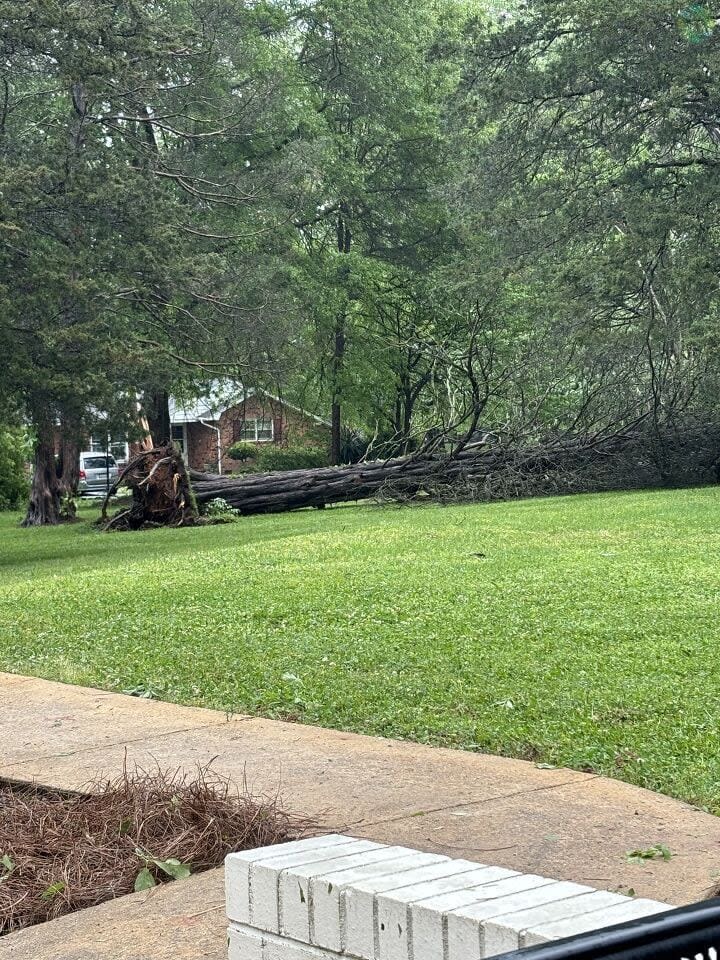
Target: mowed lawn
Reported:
[(581, 631)]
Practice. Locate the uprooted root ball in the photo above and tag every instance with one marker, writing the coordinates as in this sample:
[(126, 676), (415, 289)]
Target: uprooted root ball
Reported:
[(161, 493)]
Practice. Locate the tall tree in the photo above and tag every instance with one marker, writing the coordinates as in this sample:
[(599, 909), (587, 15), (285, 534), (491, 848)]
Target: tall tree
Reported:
[(376, 94), (592, 160), (122, 204)]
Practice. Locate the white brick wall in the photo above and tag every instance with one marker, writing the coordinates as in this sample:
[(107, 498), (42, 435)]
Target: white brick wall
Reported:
[(334, 897)]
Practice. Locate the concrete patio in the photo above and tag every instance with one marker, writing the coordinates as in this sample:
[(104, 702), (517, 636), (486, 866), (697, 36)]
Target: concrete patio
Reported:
[(559, 823)]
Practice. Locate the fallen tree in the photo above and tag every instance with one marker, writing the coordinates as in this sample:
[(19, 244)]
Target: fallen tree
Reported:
[(166, 494), (489, 471)]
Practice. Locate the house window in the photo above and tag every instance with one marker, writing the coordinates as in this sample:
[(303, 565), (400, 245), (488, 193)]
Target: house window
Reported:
[(255, 431)]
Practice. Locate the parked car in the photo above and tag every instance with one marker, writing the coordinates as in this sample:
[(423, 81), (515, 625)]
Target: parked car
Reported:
[(98, 471)]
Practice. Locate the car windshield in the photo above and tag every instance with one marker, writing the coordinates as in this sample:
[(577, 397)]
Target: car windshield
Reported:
[(98, 463)]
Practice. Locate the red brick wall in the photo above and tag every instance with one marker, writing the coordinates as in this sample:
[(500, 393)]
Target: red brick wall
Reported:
[(290, 429), (201, 447)]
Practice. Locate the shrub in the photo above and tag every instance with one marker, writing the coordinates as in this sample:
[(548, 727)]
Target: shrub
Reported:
[(317, 435), (14, 479), (242, 451), (220, 509), (291, 458), (353, 445)]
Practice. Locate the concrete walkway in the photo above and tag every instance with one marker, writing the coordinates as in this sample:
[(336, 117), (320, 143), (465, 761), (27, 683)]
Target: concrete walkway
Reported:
[(558, 823)]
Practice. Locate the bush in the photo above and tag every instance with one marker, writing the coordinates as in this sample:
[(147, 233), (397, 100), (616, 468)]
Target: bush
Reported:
[(242, 451), (220, 509), (353, 445), (290, 458), (14, 479)]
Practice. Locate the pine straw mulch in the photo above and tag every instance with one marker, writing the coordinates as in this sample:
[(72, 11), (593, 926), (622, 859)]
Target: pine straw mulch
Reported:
[(60, 853)]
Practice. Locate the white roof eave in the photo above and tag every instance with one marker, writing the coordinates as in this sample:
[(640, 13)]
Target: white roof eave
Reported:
[(223, 397)]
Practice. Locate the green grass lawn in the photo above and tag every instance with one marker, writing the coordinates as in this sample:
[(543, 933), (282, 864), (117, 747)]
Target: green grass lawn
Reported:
[(581, 631)]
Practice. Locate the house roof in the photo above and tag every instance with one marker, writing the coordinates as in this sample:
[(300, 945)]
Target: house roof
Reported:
[(221, 396)]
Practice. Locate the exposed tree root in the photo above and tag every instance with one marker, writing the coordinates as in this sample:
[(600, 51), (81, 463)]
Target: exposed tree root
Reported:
[(161, 493)]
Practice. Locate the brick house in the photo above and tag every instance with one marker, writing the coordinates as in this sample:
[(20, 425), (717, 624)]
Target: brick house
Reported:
[(205, 428)]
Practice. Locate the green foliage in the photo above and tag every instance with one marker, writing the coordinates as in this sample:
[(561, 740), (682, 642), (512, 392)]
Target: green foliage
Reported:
[(53, 890), (220, 509), (595, 615), (171, 867), (398, 214), (271, 458), (134, 139), (144, 880), (696, 22), (354, 446), (14, 454), (651, 853), (242, 451), (592, 171), (372, 218)]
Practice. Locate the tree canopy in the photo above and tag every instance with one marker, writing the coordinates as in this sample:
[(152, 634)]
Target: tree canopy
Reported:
[(410, 216)]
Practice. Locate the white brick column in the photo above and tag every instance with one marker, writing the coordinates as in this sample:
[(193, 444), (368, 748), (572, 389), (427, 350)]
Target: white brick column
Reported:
[(335, 898)]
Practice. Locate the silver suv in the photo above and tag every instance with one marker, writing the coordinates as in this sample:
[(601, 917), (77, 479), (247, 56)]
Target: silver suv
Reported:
[(98, 471)]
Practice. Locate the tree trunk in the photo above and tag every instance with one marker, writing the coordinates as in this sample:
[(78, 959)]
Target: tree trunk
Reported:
[(486, 471), (157, 409), (338, 362), (44, 506), (408, 402), (69, 471), (398, 415), (400, 478), (336, 409), (344, 245)]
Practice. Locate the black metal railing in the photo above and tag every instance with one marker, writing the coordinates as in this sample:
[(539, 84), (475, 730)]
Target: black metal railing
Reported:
[(686, 933)]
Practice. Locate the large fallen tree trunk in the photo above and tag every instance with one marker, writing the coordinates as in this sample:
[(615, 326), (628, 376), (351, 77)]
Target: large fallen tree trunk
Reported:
[(162, 493), (293, 489), (484, 472), (399, 479)]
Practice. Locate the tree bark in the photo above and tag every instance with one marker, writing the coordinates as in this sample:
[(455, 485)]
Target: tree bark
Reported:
[(482, 472), (336, 408), (157, 409), (44, 506), (69, 470), (344, 245), (161, 492), (398, 478)]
